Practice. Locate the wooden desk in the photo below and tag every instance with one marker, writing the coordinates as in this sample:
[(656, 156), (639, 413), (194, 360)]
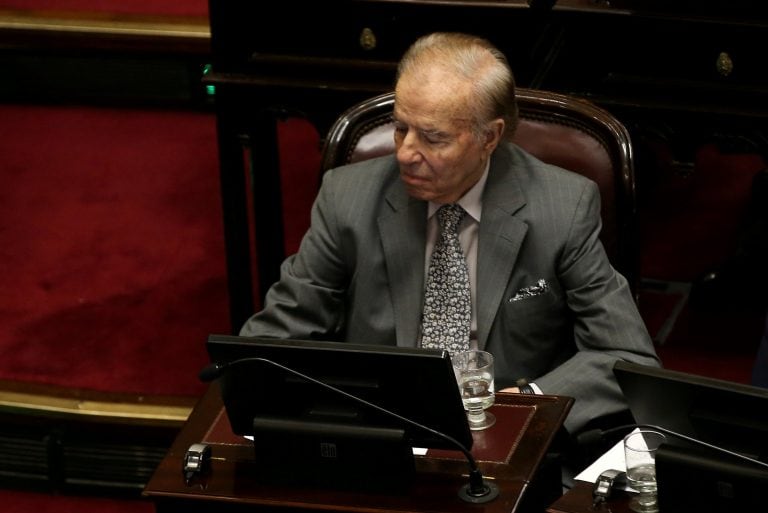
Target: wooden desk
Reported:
[(511, 452)]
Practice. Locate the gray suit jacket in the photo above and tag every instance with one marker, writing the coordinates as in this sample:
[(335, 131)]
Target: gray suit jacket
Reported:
[(359, 276)]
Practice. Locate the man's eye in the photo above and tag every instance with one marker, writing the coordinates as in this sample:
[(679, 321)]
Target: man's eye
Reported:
[(434, 140)]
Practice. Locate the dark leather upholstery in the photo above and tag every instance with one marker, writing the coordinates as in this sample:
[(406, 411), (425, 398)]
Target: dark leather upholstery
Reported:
[(558, 129)]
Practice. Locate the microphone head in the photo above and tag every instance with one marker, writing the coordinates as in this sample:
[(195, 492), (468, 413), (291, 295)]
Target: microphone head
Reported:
[(211, 372)]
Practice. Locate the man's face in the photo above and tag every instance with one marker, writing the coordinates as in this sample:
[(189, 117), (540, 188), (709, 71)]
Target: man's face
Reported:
[(439, 155)]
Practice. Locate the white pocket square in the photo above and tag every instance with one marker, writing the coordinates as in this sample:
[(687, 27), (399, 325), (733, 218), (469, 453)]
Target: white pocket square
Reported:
[(534, 290)]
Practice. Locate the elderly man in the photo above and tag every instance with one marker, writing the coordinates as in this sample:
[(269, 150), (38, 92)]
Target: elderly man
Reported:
[(516, 240)]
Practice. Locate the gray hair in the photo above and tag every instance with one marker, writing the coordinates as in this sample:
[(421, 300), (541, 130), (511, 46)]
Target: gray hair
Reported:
[(477, 60)]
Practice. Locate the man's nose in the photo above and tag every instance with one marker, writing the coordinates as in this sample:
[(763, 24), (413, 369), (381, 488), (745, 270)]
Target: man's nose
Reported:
[(408, 149)]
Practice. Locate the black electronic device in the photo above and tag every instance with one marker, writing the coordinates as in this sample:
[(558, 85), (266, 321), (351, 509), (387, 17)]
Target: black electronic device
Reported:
[(338, 414), (715, 458), (730, 415), (197, 461)]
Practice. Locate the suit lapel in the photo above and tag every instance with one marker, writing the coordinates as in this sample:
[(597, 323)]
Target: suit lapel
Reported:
[(499, 239), (403, 238)]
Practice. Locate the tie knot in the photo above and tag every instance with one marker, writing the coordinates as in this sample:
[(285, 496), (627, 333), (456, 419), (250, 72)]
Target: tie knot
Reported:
[(449, 216)]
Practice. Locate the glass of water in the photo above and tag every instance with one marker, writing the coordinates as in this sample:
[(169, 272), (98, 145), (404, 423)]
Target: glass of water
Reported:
[(640, 448), (474, 374)]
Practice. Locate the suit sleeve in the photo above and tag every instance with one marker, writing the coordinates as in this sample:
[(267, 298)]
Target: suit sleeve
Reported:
[(607, 324), (307, 301)]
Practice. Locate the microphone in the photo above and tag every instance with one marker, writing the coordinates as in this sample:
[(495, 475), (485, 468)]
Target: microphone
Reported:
[(596, 435), (211, 372), (476, 491)]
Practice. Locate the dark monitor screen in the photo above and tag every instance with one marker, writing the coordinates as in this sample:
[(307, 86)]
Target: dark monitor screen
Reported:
[(727, 414), (723, 414), (266, 396)]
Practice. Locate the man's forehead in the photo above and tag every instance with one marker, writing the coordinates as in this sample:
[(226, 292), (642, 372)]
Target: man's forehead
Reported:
[(431, 110)]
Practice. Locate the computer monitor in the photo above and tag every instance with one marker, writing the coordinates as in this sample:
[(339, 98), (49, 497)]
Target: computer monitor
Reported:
[(723, 414), (279, 391), (729, 415)]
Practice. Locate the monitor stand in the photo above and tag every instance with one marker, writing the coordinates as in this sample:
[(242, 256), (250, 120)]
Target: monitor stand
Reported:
[(332, 455)]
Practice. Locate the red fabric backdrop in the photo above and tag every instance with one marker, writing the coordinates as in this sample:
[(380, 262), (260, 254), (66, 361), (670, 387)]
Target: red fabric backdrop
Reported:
[(111, 243), (112, 249)]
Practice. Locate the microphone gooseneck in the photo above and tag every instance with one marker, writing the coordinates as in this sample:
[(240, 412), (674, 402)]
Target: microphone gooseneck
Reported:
[(476, 491)]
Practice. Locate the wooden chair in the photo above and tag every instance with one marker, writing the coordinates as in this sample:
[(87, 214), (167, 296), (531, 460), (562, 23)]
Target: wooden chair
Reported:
[(562, 130)]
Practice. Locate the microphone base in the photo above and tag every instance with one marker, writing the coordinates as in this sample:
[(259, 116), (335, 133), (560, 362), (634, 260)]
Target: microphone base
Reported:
[(492, 491)]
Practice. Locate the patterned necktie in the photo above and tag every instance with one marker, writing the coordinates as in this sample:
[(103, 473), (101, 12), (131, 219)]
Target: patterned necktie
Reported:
[(447, 309)]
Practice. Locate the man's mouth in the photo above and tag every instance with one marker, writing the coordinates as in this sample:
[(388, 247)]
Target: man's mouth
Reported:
[(412, 179)]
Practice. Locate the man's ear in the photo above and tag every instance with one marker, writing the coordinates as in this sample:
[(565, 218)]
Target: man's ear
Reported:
[(494, 134)]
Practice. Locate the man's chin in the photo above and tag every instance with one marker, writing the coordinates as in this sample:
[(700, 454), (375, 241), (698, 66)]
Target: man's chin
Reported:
[(419, 193)]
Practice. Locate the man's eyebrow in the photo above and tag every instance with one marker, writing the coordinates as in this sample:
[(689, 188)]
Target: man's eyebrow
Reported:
[(435, 133)]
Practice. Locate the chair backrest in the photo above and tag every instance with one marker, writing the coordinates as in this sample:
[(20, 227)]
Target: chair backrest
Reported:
[(558, 129)]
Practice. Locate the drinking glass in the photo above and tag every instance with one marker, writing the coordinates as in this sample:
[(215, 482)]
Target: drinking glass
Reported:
[(640, 448), (474, 374)]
